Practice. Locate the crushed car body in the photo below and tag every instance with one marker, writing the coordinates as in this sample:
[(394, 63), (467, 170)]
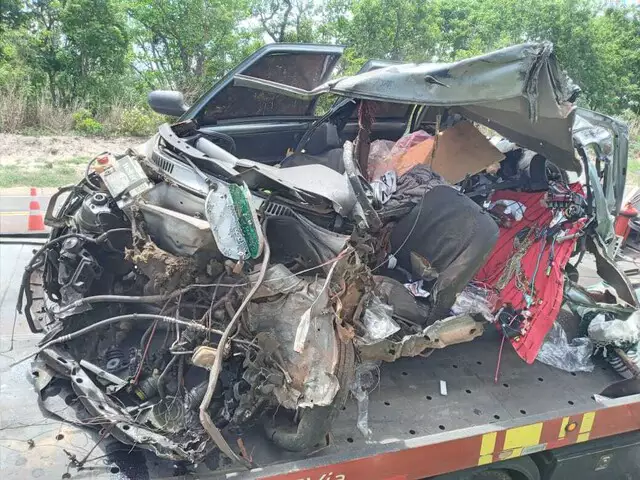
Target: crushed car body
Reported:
[(193, 288)]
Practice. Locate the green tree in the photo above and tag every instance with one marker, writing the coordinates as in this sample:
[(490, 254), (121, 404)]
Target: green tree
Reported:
[(394, 30), (617, 45), (186, 44), (289, 20), (72, 49), (95, 51)]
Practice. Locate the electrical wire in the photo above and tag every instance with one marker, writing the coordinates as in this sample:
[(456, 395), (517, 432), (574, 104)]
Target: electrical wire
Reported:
[(504, 337), (278, 279), (144, 353), (205, 418), (87, 172), (123, 299), (109, 321), (161, 391), (497, 375)]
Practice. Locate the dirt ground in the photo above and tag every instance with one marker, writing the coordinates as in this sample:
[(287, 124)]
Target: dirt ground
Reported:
[(25, 150)]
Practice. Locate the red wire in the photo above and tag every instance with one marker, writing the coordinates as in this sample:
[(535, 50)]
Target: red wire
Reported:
[(497, 375), (144, 355), (495, 378)]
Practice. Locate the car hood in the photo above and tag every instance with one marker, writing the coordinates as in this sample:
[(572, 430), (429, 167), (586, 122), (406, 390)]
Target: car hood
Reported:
[(518, 91)]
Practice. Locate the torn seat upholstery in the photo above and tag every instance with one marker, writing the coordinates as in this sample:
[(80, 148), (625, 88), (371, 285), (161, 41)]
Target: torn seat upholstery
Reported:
[(453, 234)]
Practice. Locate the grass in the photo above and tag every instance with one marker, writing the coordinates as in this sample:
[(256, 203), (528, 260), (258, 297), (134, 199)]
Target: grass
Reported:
[(50, 174), (76, 161)]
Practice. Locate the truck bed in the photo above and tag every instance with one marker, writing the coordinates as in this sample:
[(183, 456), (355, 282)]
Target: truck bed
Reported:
[(406, 409)]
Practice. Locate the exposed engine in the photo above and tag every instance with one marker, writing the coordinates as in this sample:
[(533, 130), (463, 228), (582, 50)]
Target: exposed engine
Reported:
[(165, 341)]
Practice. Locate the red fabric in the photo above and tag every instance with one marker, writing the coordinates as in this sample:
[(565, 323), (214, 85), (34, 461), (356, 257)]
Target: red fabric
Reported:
[(548, 289)]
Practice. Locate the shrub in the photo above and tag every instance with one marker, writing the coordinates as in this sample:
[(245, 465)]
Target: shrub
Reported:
[(43, 115), (12, 107), (84, 122), (138, 122)]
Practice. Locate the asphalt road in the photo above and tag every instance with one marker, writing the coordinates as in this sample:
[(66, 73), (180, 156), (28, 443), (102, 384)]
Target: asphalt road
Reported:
[(14, 211)]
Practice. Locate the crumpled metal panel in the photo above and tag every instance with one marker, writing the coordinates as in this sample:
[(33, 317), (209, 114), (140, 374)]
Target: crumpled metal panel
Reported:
[(518, 91), (317, 180), (616, 148), (610, 272), (177, 232), (309, 359)]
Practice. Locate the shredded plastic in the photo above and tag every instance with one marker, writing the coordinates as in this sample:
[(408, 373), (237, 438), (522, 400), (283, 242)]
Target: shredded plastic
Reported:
[(475, 299), (378, 322), (615, 332), (385, 155), (379, 158), (556, 351), (366, 379)]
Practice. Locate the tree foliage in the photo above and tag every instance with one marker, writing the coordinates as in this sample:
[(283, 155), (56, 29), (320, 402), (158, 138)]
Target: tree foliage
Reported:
[(182, 44), (95, 53)]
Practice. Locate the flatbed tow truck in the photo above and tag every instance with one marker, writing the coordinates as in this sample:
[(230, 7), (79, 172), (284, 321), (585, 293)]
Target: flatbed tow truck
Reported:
[(535, 422)]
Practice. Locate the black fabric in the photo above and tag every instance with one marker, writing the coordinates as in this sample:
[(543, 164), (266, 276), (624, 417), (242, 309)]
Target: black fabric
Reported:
[(454, 234), (411, 188), (331, 159)]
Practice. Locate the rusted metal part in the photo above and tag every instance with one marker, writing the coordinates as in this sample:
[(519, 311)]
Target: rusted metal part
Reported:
[(299, 323), (363, 142), (165, 271), (440, 334)]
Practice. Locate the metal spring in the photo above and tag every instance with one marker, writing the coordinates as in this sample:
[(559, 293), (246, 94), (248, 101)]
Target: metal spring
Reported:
[(618, 365), (114, 358), (113, 352)]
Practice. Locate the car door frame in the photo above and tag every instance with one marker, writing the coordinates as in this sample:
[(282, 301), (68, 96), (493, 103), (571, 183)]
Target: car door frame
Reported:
[(270, 49)]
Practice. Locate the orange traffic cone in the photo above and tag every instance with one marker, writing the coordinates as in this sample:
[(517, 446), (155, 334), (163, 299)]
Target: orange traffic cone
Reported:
[(36, 220)]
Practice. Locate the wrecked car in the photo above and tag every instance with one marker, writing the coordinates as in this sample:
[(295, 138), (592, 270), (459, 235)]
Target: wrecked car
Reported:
[(237, 270)]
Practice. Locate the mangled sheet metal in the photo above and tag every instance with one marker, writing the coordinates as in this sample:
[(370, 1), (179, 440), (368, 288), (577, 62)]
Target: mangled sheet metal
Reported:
[(517, 91), (296, 322)]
